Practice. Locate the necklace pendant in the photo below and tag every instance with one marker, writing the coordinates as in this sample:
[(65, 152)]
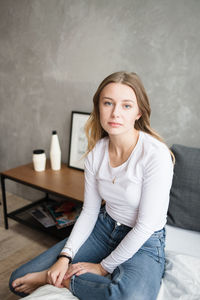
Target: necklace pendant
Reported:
[(113, 181)]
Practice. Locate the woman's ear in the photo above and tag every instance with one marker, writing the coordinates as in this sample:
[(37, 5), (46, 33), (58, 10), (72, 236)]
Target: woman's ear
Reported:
[(139, 115)]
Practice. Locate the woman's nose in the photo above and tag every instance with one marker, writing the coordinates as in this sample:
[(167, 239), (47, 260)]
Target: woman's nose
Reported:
[(116, 111)]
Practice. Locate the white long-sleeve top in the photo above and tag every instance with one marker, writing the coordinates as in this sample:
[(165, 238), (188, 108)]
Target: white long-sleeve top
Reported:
[(139, 197)]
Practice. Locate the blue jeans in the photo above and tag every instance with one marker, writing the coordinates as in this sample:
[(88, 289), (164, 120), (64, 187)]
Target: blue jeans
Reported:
[(138, 278)]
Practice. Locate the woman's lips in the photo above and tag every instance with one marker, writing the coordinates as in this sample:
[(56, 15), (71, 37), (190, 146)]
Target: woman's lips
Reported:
[(114, 124)]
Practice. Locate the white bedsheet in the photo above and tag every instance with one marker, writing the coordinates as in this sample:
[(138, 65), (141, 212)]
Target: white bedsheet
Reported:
[(181, 281)]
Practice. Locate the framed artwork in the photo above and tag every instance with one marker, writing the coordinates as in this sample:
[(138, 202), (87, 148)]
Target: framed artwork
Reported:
[(78, 140)]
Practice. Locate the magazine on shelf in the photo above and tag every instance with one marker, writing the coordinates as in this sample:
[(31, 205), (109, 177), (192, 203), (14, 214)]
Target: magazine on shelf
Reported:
[(64, 214), (54, 213), (40, 214)]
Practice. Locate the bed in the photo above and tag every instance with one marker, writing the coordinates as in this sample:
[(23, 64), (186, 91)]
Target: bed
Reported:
[(182, 272)]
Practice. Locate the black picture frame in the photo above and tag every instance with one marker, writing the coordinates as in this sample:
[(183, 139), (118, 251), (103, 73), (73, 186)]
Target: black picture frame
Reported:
[(78, 140)]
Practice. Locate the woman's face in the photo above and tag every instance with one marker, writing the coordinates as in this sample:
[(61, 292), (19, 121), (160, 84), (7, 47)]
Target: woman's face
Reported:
[(118, 108)]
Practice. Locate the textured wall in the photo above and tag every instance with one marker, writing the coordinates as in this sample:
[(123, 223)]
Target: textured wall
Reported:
[(54, 53)]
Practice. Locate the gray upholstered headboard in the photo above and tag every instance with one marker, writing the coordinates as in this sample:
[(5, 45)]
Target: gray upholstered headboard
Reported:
[(184, 207)]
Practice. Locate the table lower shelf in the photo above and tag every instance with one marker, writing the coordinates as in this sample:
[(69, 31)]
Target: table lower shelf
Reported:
[(21, 215)]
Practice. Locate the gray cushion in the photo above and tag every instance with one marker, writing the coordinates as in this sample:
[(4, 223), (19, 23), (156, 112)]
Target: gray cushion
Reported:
[(184, 207)]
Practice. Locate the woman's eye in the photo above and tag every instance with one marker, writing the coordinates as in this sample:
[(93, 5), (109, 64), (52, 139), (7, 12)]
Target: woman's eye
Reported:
[(107, 103), (127, 106)]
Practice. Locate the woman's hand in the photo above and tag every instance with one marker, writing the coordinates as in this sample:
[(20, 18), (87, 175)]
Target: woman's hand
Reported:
[(85, 267), (57, 272)]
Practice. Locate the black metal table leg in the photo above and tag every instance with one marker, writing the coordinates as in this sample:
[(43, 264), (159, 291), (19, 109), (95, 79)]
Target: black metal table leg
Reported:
[(3, 189)]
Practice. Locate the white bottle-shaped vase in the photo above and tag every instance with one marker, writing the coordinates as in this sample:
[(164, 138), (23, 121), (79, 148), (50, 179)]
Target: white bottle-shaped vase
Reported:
[(55, 152)]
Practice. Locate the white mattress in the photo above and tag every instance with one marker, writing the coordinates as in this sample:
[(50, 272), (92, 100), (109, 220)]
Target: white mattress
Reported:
[(182, 275), (183, 241)]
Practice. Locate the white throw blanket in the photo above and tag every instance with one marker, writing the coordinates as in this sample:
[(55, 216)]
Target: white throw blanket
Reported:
[(181, 281)]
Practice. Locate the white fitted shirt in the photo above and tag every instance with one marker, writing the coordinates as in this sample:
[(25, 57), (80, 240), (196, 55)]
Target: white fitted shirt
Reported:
[(139, 197)]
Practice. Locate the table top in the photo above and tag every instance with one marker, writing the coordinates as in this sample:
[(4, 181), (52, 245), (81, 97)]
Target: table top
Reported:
[(66, 182)]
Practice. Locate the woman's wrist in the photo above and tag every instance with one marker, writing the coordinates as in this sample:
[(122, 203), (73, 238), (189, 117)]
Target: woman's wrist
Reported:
[(64, 256), (103, 271)]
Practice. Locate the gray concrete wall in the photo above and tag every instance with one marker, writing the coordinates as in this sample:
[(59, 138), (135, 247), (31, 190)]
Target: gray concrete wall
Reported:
[(54, 53)]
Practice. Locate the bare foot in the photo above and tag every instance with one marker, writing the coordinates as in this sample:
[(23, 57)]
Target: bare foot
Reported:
[(30, 282)]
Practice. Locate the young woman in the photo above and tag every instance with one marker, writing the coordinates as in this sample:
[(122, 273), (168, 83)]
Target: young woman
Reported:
[(131, 168)]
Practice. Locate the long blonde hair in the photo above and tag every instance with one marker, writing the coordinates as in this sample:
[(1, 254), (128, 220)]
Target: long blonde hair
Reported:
[(93, 128)]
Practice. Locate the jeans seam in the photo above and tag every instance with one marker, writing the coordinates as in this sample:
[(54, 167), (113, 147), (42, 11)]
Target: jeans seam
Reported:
[(71, 285), (104, 214), (121, 272), (90, 283), (158, 249)]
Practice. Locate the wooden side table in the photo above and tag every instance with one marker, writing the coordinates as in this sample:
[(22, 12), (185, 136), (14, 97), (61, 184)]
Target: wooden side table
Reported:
[(67, 183)]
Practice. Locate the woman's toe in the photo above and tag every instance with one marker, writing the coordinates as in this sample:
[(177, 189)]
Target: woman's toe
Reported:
[(17, 282)]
